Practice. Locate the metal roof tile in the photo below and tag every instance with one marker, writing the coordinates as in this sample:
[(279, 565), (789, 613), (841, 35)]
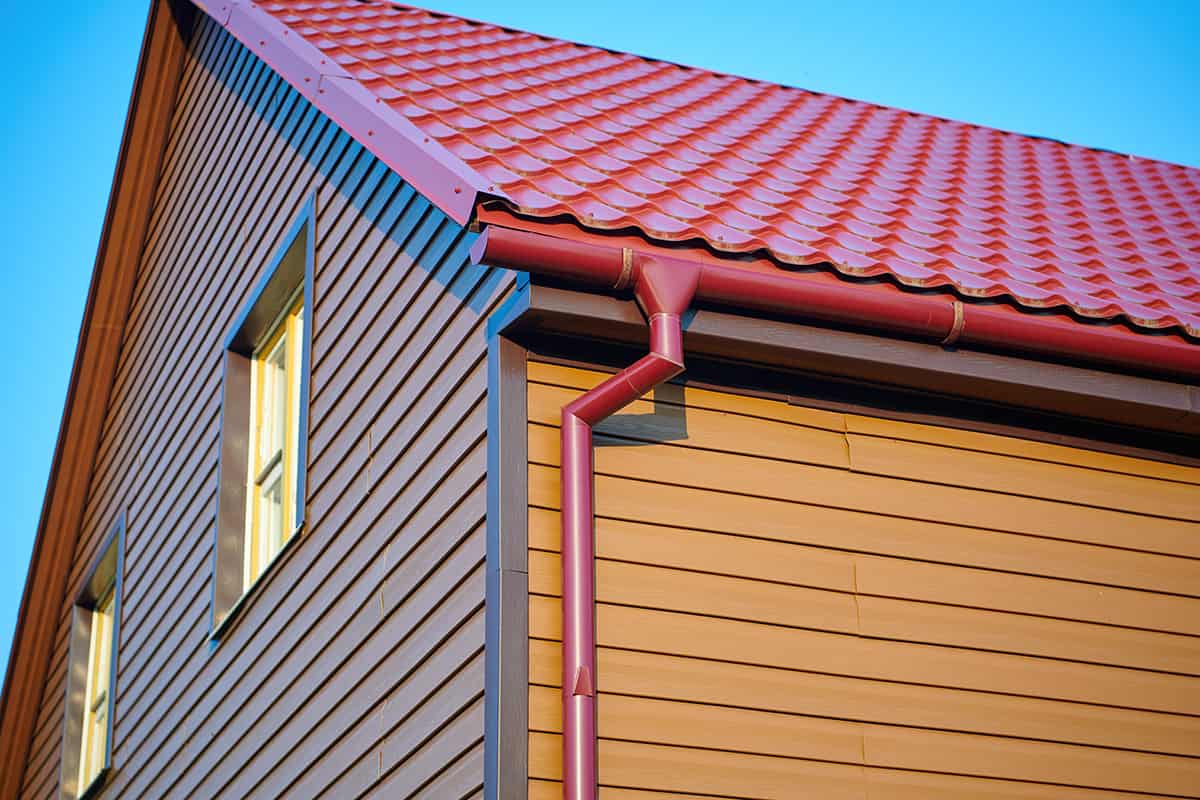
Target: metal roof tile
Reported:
[(615, 140)]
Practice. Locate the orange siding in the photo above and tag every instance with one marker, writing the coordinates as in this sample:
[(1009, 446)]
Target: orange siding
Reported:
[(799, 603)]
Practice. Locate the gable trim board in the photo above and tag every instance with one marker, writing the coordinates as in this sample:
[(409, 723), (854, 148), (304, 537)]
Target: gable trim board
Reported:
[(147, 124)]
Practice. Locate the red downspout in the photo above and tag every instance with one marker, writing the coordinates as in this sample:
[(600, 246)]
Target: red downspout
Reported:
[(665, 287), (664, 290), (664, 293)]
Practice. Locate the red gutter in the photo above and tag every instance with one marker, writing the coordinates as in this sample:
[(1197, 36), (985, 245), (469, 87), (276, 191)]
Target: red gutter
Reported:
[(665, 286), (935, 318)]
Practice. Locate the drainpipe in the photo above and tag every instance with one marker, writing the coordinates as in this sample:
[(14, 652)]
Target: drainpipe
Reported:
[(664, 293), (664, 289)]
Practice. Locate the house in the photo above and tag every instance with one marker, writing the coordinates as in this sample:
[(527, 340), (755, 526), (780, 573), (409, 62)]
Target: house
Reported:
[(887, 427)]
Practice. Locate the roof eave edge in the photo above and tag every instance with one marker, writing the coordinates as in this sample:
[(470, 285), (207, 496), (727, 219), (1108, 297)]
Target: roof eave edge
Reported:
[(438, 174), (562, 252)]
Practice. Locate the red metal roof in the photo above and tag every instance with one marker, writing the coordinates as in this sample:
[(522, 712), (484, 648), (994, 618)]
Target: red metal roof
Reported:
[(617, 141)]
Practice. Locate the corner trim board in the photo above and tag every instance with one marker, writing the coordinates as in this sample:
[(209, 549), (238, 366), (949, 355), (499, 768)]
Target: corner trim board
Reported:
[(506, 693)]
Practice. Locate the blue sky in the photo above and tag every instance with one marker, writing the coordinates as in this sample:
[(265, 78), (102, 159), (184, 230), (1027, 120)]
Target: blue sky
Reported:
[(1123, 76)]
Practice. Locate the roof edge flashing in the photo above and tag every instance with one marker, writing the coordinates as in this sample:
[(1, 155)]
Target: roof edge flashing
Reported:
[(433, 170)]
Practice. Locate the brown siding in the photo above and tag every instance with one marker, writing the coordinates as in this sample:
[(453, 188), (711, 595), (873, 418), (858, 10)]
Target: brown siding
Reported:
[(795, 602), (356, 668)]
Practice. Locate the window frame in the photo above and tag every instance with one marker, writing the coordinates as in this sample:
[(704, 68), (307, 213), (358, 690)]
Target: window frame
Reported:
[(286, 282), (105, 578)]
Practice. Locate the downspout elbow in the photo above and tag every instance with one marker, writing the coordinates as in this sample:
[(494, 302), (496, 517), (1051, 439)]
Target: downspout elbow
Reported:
[(664, 292)]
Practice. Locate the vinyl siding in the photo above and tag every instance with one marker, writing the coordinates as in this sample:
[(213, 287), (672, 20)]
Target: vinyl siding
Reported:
[(799, 603), (356, 668)]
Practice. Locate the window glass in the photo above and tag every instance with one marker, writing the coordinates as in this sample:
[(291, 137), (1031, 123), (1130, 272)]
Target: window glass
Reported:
[(94, 740), (275, 396)]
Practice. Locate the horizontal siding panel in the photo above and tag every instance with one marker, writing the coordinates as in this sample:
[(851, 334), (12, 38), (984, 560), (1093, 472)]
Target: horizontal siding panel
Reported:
[(751, 686), (648, 421), (719, 639), (935, 463), (1024, 448), (1027, 595), (715, 595), (901, 620), (673, 769), (836, 530), (708, 727), (1018, 633), (580, 380), (803, 483), (704, 551), (678, 770)]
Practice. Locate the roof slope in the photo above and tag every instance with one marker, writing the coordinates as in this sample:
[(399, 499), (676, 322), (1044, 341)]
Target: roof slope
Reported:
[(617, 141)]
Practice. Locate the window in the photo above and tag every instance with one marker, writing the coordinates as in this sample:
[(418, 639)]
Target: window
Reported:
[(92, 674), (264, 426), (94, 745), (275, 423)]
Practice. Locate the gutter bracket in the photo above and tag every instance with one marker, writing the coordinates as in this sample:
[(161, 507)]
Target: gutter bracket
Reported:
[(956, 328)]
